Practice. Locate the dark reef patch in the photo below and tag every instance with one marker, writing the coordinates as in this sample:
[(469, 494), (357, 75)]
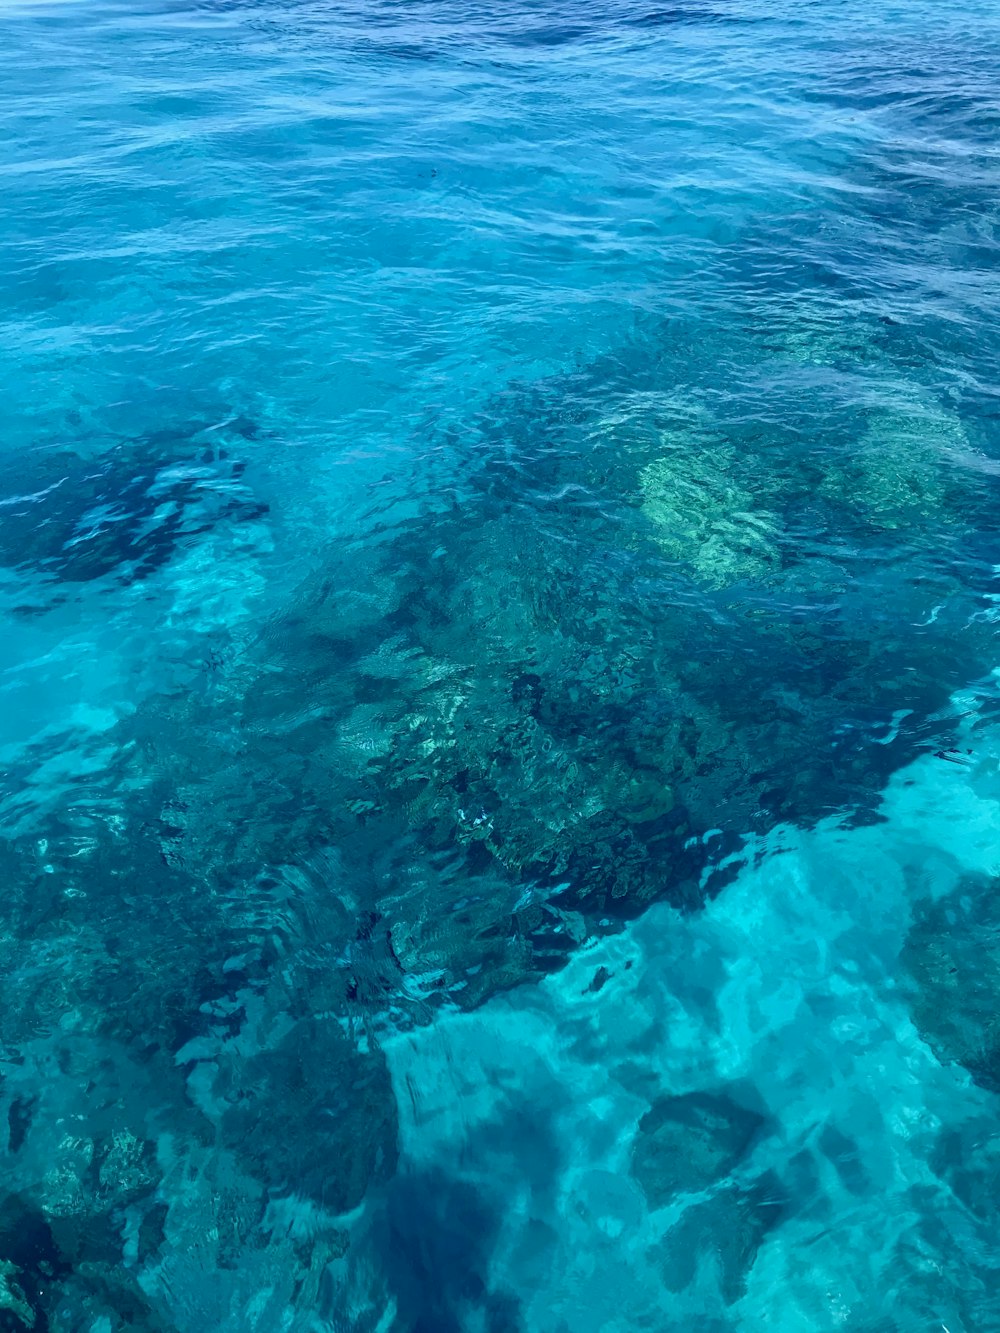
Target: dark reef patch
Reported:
[(727, 1230), (952, 956), (690, 1142), (311, 1116), (121, 513)]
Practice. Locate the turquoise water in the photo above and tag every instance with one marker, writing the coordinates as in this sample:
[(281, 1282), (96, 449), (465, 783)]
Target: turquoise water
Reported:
[(499, 696)]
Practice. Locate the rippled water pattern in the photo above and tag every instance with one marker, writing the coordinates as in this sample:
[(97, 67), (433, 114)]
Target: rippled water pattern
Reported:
[(500, 729)]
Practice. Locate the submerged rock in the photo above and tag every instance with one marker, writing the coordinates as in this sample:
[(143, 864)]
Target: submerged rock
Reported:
[(15, 1308), (901, 473), (31, 1266), (105, 1296), (705, 515), (123, 513), (685, 1144), (726, 1230), (952, 954), (967, 1158), (312, 1116)]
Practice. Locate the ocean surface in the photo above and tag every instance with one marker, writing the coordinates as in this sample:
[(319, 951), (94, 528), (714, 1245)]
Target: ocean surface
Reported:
[(499, 666)]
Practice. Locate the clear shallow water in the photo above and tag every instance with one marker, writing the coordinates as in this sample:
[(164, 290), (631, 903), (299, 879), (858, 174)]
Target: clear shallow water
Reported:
[(498, 734)]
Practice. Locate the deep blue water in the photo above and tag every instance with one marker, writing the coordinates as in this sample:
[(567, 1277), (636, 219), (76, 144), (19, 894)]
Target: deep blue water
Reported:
[(499, 682)]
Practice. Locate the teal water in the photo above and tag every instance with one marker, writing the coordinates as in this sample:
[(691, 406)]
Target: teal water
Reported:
[(499, 706)]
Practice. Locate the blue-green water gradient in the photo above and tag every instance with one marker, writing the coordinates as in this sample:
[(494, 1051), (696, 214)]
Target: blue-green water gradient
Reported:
[(499, 793)]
